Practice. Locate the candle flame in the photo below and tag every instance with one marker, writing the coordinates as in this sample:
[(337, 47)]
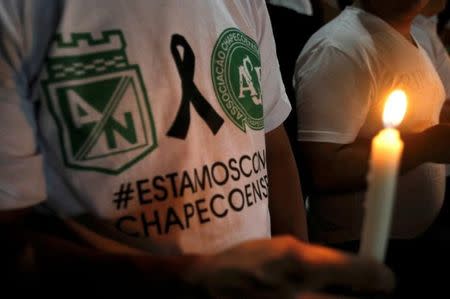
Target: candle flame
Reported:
[(395, 108)]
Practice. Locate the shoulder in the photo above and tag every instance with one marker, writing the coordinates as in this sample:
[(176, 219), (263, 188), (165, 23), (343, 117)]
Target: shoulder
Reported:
[(335, 42), (346, 32)]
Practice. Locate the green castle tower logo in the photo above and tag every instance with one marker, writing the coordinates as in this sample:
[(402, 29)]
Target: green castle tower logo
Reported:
[(99, 103)]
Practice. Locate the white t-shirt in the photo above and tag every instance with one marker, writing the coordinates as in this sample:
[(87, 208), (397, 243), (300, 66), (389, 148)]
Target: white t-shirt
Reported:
[(93, 122), (301, 6), (342, 78)]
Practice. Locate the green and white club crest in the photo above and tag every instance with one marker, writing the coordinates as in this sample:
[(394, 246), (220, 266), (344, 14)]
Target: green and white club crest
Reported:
[(99, 103), (236, 74)]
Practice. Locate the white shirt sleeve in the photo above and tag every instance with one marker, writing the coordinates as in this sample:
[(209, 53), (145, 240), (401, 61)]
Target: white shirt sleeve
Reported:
[(275, 101), (333, 96), (24, 38)]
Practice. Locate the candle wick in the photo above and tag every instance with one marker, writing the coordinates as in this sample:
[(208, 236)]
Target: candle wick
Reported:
[(390, 125)]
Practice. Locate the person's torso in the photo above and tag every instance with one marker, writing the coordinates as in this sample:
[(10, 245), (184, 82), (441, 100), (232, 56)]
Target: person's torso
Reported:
[(152, 122)]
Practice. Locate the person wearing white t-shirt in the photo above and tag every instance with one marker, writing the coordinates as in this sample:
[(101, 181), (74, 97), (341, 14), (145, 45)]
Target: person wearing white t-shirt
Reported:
[(342, 78), (150, 131), (425, 31)]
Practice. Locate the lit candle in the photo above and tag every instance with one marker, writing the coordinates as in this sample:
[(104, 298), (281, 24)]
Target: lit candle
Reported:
[(385, 157)]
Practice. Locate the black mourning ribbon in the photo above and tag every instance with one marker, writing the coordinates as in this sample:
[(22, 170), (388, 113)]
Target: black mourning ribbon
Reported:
[(190, 93)]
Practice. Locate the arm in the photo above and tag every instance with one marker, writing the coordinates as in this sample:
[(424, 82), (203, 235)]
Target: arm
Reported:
[(285, 200), (277, 268), (330, 86), (53, 262), (339, 167)]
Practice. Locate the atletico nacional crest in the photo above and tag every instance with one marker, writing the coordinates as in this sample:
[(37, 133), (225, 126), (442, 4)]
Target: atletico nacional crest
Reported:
[(99, 103)]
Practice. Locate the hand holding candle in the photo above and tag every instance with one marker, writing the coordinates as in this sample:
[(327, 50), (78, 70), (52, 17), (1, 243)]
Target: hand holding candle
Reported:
[(385, 157)]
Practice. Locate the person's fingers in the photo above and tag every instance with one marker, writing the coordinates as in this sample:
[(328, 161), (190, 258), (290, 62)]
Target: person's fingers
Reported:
[(329, 267)]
